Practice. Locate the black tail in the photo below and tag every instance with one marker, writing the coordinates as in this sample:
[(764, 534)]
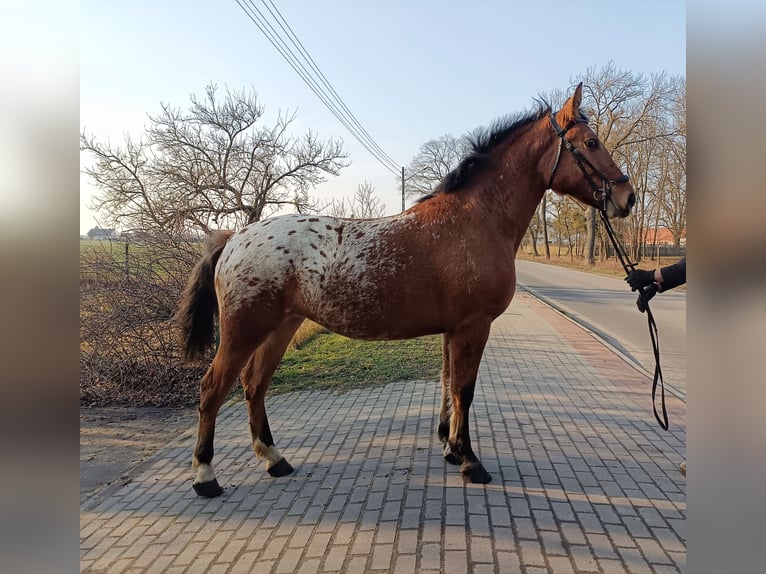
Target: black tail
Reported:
[(199, 305)]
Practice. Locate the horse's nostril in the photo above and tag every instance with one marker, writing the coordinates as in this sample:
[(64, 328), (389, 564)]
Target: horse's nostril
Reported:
[(631, 200)]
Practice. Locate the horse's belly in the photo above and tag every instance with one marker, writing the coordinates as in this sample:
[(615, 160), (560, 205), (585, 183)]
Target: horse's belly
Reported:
[(357, 318), (401, 312)]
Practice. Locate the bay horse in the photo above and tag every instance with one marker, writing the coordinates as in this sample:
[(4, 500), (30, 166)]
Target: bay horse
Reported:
[(445, 266)]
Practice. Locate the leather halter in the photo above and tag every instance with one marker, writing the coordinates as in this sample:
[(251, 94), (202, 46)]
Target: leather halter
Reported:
[(602, 193)]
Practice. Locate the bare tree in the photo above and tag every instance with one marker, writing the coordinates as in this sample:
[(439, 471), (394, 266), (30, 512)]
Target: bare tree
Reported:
[(671, 188), (607, 95), (212, 165), (544, 218), (364, 205), (628, 113), (216, 164), (534, 230), (568, 223), (433, 162)]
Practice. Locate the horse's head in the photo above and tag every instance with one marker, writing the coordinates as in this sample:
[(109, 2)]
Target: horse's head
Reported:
[(583, 168)]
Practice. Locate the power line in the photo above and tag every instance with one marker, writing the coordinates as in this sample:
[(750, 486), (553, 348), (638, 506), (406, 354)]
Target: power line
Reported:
[(331, 100), (278, 42), (298, 44), (347, 119)]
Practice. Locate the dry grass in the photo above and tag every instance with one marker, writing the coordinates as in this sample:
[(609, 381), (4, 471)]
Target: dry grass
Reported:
[(305, 333)]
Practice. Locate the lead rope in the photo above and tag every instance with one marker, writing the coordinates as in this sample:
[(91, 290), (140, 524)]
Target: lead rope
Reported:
[(628, 266)]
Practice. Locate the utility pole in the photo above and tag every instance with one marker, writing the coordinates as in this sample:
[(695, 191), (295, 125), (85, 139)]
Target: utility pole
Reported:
[(402, 189)]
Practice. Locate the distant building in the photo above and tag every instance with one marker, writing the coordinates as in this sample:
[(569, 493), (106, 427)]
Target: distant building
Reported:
[(662, 236), (102, 234), (136, 236), (660, 242)]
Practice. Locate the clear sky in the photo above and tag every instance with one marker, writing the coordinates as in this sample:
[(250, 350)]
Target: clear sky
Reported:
[(409, 71)]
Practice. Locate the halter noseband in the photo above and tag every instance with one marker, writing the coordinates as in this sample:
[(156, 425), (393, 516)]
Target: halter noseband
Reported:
[(601, 194)]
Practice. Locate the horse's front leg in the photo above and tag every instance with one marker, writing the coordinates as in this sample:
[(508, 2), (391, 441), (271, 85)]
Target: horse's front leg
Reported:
[(445, 410), (466, 346)]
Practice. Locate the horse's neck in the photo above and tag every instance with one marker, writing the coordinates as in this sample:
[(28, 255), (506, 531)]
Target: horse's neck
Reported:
[(518, 187), (516, 211), (510, 200)]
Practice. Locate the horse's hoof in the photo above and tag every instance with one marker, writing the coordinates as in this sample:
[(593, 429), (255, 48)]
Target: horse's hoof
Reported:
[(209, 489), (280, 468), (450, 456), (476, 474)]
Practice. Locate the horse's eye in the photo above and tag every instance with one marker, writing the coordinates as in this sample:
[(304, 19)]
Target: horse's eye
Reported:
[(591, 144)]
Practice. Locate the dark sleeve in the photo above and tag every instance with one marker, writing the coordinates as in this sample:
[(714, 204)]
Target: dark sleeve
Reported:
[(673, 275)]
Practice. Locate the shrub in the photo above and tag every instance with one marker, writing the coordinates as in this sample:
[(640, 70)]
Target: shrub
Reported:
[(129, 352)]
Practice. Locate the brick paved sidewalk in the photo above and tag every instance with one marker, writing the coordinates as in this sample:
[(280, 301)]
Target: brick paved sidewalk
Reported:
[(584, 480)]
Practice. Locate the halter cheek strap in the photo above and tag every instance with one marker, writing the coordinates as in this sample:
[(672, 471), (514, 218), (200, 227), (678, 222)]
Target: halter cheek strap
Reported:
[(564, 143)]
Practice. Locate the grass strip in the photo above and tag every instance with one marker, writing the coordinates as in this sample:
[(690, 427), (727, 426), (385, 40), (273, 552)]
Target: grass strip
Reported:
[(330, 361)]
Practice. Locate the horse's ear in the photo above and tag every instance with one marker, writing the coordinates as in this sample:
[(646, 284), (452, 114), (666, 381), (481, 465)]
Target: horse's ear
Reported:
[(571, 109)]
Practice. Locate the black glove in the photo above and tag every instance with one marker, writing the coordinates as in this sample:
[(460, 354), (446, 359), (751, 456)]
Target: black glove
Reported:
[(644, 295), (639, 278)]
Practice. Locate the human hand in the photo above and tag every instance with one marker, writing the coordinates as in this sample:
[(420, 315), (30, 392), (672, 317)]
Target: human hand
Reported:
[(639, 278), (644, 295)]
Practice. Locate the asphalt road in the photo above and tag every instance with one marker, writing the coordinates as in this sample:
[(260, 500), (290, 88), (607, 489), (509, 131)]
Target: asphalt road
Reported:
[(607, 307)]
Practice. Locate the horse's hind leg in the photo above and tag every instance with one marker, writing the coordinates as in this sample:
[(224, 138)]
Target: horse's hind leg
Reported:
[(214, 387), (256, 378), (465, 348)]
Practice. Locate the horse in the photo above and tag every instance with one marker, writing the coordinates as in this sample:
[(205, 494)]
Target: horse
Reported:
[(444, 266)]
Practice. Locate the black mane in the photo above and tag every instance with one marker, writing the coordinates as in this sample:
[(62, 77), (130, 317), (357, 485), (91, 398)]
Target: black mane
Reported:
[(483, 142)]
